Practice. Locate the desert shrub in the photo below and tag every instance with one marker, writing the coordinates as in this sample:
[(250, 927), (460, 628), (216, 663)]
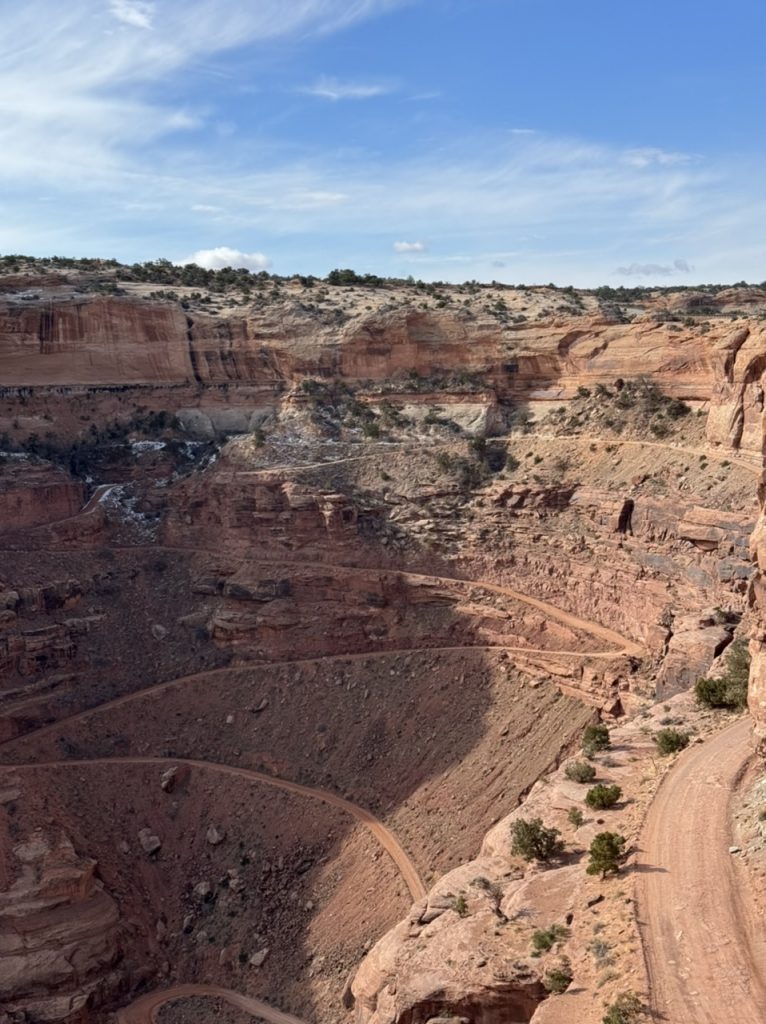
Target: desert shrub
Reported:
[(601, 951), (531, 840), (544, 939), (670, 741), (605, 853), (595, 738), (558, 979), (460, 906), (601, 797), (580, 771), (511, 462), (676, 408), (626, 1009), (730, 691)]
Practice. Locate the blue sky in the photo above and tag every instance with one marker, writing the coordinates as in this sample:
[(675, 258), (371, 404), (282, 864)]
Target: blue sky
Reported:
[(519, 140)]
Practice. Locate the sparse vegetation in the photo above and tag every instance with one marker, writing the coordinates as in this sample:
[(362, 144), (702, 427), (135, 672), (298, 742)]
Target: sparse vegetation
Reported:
[(544, 939), (558, 979), (575, 817), (670, 741), (595, 738), (730, 690), (626, 1009), (460, 906), (580, 771), (531, 840), (602, 797), (606, 853)]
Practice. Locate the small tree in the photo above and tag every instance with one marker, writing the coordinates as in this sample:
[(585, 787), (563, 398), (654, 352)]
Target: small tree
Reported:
[(730, 690), (575, 817), (606, 853), (531, 840), (580, 771), (670, 741), (602, 797), (595, 738)]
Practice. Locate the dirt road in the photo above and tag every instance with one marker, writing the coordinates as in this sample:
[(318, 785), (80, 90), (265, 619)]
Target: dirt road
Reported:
[(144, 1010), (384, 836), (704, 944)]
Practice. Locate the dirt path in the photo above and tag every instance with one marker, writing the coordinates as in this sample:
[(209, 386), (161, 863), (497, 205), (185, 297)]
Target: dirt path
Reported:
[(217, 673), (623, 644), (144, 1010), (704, 944), (384, 836), (711, 453)]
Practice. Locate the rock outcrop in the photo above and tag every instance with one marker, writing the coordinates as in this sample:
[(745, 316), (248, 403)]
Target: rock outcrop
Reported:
[(59, 932)]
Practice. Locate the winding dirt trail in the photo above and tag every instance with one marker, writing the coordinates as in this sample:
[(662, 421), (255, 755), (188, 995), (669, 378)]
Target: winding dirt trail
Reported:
[(144, 1010), (217, 673), (384, 836), (623, 644), (704, 942)]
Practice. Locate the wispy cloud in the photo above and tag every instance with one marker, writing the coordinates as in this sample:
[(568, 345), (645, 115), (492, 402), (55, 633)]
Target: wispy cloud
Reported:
[(647, 157), (77, 95), (97, 116), (328, 88), (410, 247), (224, 256), (655, 269), (136, 13)]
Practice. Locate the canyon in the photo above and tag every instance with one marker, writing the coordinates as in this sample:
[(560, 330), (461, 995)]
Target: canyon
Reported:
[(308, 593)]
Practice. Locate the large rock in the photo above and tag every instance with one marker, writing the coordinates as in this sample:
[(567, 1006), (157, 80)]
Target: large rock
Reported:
[(59, 933)]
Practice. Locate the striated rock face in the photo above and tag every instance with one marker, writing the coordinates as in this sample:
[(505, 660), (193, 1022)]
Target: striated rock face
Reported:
[(736, 407), (59, 931), (33, 493), (126, 346)]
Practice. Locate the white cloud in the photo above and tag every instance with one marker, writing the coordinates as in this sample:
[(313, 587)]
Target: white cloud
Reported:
[(329, 88), (410, 247), (136, 13), (206, 208), (223, 256)]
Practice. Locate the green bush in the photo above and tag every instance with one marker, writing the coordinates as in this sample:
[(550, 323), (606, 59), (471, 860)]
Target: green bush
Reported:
[(730, 691), (511, 462), (531, 840), (595, 738), (580, 771), (544, 939), (670, 741), (601, 797), (606, 853), (626, 1009)]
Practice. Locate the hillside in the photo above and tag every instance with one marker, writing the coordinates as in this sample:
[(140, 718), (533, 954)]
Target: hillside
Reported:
[(309, 589)]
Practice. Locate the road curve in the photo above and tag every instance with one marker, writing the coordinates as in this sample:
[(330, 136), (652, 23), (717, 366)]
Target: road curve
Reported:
[(214, 673), (385, 837), (623, 644), (144, 1009), (704, 944)]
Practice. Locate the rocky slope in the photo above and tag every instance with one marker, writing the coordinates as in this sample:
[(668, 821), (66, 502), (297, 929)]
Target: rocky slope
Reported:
[(454, 526)]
